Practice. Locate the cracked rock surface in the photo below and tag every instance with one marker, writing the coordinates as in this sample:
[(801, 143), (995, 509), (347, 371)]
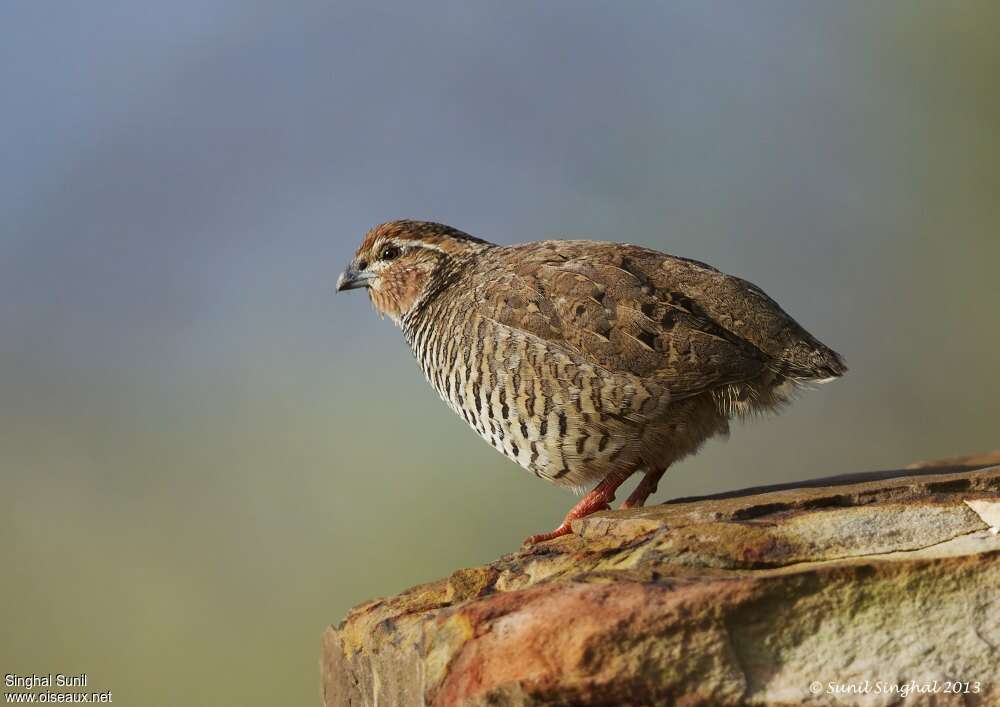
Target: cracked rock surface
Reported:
[(828, 592)]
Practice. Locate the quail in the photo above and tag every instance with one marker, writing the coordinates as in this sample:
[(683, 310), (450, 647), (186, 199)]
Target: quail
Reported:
[(585, 362)]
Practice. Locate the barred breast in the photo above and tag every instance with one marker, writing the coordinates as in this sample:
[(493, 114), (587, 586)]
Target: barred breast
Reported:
[(562, 418)]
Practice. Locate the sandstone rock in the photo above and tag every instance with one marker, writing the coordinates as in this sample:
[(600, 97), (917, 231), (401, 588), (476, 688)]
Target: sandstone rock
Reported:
[(830, 592)]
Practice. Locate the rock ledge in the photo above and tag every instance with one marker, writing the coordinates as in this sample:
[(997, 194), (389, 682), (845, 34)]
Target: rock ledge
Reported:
[(753, 597)]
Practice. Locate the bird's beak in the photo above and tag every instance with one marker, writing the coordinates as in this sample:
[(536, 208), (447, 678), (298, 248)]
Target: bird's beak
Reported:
[(353, 279)]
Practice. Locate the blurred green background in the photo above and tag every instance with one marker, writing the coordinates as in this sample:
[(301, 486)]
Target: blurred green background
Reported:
[(207, 456)]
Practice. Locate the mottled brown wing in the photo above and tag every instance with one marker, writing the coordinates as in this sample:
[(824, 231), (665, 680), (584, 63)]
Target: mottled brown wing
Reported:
[(617, 307)]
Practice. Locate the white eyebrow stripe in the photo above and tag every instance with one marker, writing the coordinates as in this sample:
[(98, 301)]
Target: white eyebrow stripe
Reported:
[(410, 244)]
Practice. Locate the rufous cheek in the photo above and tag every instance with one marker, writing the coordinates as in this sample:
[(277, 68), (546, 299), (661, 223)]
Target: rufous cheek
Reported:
[(408, 286), (398, 290)]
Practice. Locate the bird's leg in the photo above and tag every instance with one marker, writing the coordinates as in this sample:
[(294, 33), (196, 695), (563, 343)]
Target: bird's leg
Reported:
[(597, 500), (645, 489)]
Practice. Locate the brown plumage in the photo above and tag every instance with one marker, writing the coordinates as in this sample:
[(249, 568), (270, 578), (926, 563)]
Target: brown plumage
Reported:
[(583, 361)]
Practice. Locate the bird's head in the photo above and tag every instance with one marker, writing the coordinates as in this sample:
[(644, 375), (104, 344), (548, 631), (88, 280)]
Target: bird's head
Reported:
[(401, 263)]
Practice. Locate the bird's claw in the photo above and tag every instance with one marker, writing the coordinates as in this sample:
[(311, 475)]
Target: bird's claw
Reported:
[(564, 529)]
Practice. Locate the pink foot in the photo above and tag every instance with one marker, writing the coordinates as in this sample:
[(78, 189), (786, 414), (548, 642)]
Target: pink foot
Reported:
[(597, 500)]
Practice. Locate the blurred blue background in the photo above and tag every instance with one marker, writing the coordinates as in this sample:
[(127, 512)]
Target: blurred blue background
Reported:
[(207, 456)]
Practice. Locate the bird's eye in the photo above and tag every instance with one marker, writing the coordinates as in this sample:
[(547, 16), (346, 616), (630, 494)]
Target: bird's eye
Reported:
[(390, 253)]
